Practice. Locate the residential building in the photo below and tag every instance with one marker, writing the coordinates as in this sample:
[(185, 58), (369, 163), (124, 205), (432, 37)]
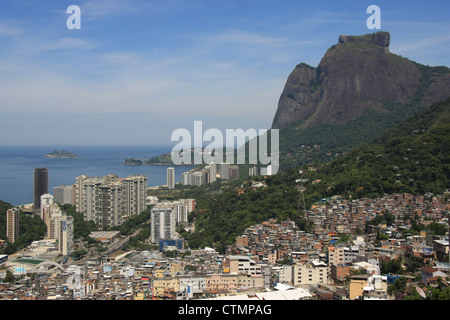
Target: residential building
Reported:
[(244, 264), (170, 178), (165, 284), (315, 272), (233, 172), (65, 235), (192, 285), (221, 283), (163, 222), (253, 171), (224, 171), (357, 284), (107, 200), (134, 189), (51, 215), (64, 194), (40, 185), (212, 172), (336, 255), (12, 224)]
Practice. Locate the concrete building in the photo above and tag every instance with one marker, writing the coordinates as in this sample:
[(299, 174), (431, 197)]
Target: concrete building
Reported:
[(224, 171), (64, 194), (40, 185), (315, 272), (65, 234), (192, 285), (107, 200), (244, 265), (189, 203), (181, 212), (12, 224), (233, 172), (51, 215), (336, 256), (163, 223), (212, 172), (185, 178), (253, 171), (221, 283), (170, 178)]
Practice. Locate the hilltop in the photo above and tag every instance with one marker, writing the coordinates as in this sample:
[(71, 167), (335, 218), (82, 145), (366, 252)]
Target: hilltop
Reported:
[(358, 91)]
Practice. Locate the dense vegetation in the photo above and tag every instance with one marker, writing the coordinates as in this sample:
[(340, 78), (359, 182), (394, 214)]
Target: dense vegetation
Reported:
[(31, 228), (413, 157), (337, 139)]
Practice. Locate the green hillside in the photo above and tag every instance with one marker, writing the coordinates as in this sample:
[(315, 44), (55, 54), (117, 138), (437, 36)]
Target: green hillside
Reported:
[(413, 157)]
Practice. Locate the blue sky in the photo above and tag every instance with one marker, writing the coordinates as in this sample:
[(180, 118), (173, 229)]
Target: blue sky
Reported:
[(137, 70)]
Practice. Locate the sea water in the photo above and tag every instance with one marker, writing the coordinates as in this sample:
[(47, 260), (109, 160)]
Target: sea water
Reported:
[(17, 164)]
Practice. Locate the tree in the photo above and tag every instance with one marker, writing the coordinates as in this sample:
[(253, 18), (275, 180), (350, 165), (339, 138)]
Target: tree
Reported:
[(398, 287), (9, 276)]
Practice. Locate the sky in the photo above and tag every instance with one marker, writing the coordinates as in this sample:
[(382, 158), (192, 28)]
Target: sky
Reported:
[(137, 69)]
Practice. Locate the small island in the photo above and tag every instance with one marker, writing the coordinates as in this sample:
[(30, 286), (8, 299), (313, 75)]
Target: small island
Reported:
[(133, 162), (61, 154)]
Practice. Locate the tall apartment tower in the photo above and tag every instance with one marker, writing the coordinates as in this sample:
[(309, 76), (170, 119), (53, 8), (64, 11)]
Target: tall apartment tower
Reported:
[(134, 194), (224, 171), (12, 224), (163, 223), (46, 200), (109, 208), (40, 185), (65, 235), (170, 178), (107, 200), (212, 172), (51, 219)]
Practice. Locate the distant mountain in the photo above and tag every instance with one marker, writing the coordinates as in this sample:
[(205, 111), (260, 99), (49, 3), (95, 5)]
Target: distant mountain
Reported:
[(359, 90)]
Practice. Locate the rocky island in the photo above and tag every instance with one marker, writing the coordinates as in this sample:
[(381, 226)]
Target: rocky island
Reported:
[(62, 154), (133, 162)]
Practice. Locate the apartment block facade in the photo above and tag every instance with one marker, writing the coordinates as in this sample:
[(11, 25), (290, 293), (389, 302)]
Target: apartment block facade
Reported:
[(315, 272), (108, 200), (163, 223), (12, 224)]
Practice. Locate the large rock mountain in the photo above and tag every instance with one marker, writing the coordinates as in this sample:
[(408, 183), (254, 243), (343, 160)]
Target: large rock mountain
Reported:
[(356, 75)]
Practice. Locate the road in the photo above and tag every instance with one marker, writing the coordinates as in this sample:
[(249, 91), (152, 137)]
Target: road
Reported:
[(117, 245)]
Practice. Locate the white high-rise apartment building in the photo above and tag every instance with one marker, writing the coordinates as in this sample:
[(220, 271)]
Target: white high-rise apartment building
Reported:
[(51, 215), (163, 222), (65, 234), (107, 200), (212, 172), (134, 190), (181, 212), (170, 178), (45, 201)]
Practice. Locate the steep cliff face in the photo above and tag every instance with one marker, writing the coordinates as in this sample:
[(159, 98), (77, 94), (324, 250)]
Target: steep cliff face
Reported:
[(357, 74)]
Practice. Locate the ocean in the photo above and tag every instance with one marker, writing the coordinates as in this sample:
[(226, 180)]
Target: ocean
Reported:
[(17, 164)]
